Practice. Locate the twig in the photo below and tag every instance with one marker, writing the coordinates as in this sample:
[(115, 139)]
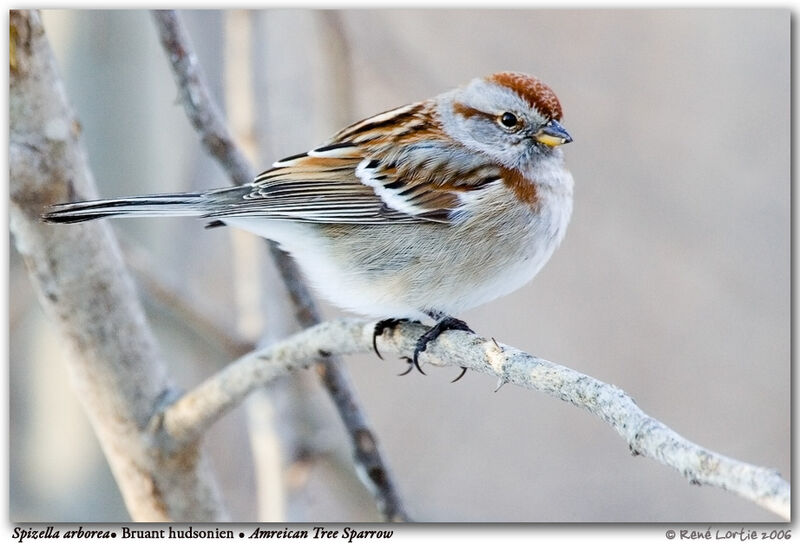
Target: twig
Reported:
[(84, 287), (207, 120), (187, 418)]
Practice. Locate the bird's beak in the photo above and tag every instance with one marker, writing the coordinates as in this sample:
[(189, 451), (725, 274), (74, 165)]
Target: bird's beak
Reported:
[(553, 134)]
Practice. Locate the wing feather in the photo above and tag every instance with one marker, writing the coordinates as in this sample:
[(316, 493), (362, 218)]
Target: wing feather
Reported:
[(396, 166)]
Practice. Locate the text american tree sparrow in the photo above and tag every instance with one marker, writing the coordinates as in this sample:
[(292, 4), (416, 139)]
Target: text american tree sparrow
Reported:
[(426, 210)]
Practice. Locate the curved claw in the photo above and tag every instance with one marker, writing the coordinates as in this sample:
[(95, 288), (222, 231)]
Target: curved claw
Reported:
[(410, 366), (415, 360), (463, 371), (381, 326)]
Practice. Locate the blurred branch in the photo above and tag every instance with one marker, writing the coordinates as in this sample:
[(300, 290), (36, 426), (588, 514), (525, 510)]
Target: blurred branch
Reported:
[(250, 287), (167, 293), (83, 286), (197, 102), (191, 415), (207, 120), (337, 65), (23, 300)]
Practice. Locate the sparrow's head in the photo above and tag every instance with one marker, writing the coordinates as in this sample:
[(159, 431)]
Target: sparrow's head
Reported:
[(509, 116)]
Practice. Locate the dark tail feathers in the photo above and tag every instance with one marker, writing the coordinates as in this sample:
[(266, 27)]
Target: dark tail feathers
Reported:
[(181, 204)]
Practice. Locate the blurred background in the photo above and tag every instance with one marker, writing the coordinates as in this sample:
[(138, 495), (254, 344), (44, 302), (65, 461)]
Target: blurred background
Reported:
[(672, 283)]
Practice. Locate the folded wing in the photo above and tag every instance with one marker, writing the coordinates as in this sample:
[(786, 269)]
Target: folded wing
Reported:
[(394, 167)]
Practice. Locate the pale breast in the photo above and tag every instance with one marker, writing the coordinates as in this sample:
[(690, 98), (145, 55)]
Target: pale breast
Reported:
[(403, 270)]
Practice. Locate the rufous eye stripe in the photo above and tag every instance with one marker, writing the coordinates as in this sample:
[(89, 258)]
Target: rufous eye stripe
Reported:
[(468, 111)]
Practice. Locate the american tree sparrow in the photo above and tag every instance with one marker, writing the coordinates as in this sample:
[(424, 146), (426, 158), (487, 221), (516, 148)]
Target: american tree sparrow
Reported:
[(426, 210)]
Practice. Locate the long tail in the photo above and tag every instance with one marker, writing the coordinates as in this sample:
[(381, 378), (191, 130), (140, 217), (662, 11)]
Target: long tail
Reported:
[(186, 204)]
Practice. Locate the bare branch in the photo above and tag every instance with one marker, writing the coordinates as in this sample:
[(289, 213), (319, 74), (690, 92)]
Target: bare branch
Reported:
[(207, 120), (166, 292), (200, 107), (83, 285), (190, 415)]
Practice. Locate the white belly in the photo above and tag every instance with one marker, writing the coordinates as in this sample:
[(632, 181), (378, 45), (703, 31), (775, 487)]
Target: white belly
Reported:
[(405, 270)]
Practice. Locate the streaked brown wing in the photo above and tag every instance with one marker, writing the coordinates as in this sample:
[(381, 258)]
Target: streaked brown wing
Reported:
[(393, 167)]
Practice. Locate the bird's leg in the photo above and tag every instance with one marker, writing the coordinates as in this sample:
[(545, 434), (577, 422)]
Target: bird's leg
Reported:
[(443, 323), (381, 326)]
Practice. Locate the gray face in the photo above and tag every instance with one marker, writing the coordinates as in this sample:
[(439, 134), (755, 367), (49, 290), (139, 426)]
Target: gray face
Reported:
[(496, 120)]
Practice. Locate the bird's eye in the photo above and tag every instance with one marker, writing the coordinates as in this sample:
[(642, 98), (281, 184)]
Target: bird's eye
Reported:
[(509, 120)]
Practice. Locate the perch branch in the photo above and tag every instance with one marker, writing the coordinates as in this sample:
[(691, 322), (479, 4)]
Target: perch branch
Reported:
[(84, 287), (207, 120), (190, 415)]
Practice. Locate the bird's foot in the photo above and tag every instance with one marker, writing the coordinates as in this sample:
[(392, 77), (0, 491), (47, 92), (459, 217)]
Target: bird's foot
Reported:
[(381, 326), (444, 323)]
